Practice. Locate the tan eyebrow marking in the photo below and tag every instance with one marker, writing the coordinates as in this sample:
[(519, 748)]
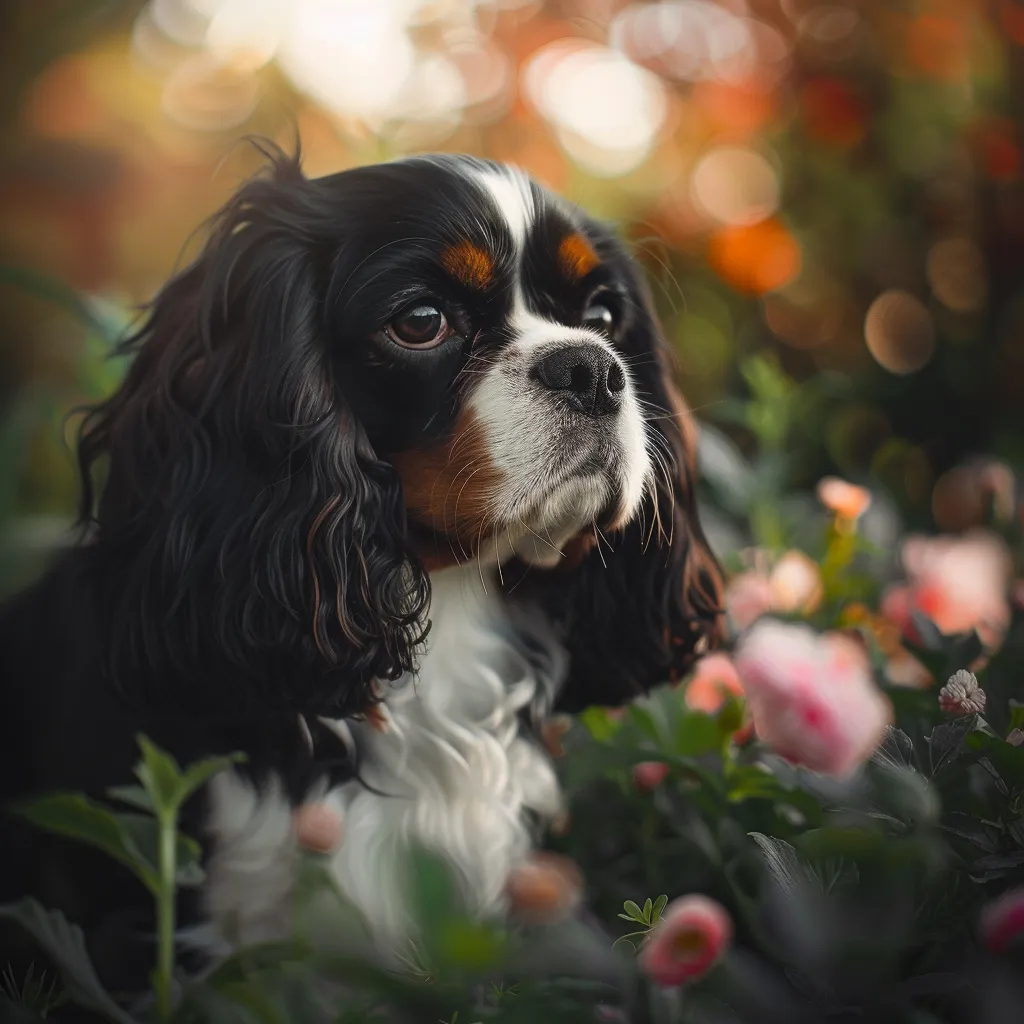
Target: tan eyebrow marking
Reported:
[(576, 257), (469, 264)]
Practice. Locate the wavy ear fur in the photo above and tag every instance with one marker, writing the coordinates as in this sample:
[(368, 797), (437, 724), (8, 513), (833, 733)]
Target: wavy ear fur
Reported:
[(637, 610), (250, 545)]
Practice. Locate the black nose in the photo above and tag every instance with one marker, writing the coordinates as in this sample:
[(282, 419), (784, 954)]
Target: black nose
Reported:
[(591, 378)]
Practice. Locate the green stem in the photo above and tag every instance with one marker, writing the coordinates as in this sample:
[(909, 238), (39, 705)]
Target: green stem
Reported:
[(165, 911)]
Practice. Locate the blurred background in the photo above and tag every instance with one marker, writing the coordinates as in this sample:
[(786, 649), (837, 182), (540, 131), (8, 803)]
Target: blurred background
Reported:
[(827, 196)]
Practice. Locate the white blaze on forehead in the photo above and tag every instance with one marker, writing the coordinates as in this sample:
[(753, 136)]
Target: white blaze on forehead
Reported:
[(512, 194)]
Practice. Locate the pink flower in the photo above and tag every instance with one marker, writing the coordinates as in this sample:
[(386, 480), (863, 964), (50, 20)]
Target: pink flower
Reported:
[(811, 696), (847, 500), (1002, 920), (317, 827), (748, 596), (714, 678), (960, 583), (691, 935), (962, 695), (649, 774)]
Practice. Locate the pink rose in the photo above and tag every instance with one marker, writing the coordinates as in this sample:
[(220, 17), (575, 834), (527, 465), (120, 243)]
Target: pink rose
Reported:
[(1002, 920), (812, 696), (691, 935), (649, 774)]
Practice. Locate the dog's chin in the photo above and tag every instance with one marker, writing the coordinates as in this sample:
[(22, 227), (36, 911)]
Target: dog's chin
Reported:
[(569, 518)]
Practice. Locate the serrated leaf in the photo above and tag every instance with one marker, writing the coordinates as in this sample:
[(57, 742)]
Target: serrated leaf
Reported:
[(634, 911), (64, 943), (782, 862), (896, 750), (77, 817)]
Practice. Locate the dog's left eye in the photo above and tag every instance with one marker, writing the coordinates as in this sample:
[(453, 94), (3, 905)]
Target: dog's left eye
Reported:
[(600, 315), (421, 326)]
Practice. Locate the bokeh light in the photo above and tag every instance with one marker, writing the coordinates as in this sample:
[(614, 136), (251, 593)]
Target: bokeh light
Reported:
[(606, 109), (956, 273), (899, 332), (735, 185)]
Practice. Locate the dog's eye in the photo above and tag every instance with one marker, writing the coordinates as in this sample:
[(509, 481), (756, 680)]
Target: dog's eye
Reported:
[(422, 326), (600, 315)]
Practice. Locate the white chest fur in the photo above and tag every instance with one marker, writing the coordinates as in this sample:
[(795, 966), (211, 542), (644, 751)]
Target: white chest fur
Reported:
[(450, 771)]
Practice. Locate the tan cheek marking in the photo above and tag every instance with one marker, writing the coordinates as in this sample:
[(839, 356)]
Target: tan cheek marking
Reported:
[(469, 264), (576, 257), (451, 487)]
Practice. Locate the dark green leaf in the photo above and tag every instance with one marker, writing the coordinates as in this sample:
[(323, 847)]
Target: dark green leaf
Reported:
[(76, 817), (133, 796), (634, 911), (64, 943), (161, 775), (782, 862), (659, 907), (201, 772)]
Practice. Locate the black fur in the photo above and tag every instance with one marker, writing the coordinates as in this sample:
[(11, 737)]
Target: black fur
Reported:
[(247, 556)]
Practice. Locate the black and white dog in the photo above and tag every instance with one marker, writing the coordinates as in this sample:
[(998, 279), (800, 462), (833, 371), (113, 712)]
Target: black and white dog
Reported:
[(403, 438)]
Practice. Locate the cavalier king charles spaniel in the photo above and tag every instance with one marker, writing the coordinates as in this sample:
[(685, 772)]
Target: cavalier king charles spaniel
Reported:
[(397, 470)]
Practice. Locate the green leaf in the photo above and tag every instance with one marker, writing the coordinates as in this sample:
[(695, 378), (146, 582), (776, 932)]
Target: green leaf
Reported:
[(659, 908), (77, 817), (53, 290), (599, 723), (196, 775), (696, 734), (635, 913), (161, 776), (133, 796), (1016, 715), (471, 945), (65, 945), (648, 907)]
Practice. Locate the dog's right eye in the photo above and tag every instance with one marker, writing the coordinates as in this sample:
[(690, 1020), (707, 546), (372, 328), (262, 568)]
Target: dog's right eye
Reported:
[(421, 326)]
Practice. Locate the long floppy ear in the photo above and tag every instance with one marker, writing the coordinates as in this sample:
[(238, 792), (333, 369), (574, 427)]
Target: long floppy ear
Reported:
[(637, 610), (254, 536)]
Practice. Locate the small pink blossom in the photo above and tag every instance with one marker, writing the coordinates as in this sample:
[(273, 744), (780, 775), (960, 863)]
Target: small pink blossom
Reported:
[(317, 827), (748, 596), (714, 679), (812, 696), (847, 500), (1002, 920), (649, 775), (960, 583), (962, 695), (692, 934)]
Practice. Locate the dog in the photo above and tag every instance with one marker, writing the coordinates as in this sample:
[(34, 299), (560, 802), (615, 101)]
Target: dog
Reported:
[(397, 470)]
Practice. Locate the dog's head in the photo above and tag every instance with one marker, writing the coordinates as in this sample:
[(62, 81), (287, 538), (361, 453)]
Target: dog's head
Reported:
[(377, 373)]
